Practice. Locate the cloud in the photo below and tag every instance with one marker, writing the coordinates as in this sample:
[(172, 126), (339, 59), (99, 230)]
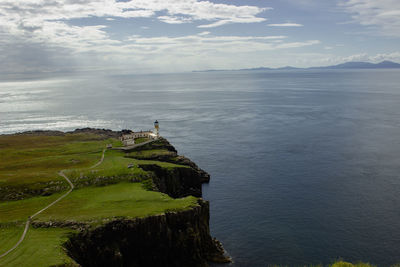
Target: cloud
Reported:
[(162, 53), (329, 59), (175, 19), (286, 25), (204, 33), (48, 22), (204, 43), (48, 29), (229, 21), (313, 59), (176, 11), (382, 17), (395, 56)]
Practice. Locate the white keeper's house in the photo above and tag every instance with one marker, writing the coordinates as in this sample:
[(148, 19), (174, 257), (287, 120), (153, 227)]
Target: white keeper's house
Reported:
[(128, 139)]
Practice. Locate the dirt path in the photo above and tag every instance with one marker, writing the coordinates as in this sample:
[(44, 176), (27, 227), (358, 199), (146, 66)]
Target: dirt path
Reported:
[(98, 163), (61, 173)]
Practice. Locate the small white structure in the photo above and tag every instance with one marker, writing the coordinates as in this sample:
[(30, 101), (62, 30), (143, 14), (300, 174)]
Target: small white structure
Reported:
[(157, 128), (129, 137)]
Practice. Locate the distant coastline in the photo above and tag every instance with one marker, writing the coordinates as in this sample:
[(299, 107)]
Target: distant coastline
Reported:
[(348, 65)]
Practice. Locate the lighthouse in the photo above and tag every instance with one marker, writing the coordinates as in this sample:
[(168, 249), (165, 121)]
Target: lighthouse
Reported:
[(157, 127)]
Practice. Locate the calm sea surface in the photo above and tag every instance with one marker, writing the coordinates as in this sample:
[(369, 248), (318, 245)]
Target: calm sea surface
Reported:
[(305, 165)]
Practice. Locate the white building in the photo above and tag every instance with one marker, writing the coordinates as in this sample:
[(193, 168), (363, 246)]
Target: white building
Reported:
[(129, 139)]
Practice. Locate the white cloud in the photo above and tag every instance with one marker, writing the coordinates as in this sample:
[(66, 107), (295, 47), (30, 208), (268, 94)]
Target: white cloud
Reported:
[(286, 25), (214, 24), (44, 29), (208, 44), (175, 19), (329, 59), (47, 23), (229, 21), (306, 59), (383, 16), (204, 33), (35, 12)]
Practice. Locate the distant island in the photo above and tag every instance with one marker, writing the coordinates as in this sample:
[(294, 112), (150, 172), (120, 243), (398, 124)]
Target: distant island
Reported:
[(348, 65)]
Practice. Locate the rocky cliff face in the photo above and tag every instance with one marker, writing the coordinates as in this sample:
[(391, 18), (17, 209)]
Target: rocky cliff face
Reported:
[(180, 238), (173, 157), (172, 239), (176, 182)]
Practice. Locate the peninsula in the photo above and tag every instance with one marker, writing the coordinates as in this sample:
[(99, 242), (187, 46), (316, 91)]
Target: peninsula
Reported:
[(96, 197)]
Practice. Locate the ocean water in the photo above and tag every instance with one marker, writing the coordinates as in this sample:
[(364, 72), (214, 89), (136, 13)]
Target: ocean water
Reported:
[(305, 165)]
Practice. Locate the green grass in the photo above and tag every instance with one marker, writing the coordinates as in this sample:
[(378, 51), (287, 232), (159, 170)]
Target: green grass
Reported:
[(128, 200), (143, 154), (114, 165), (141, 140), (9, 236), (27, 159), (18, 211), (338, 263), (42, 247), (348, 264)]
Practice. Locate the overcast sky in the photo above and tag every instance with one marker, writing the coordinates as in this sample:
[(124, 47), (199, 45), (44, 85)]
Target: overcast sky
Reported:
[(183, 35)]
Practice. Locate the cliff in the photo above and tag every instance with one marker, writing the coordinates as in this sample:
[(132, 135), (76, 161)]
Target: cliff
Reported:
[(176, 182), (171, 239), (176, 238)]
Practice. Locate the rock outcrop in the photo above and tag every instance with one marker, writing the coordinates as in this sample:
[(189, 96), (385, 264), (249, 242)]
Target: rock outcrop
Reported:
[(172, 239), (176, 182)]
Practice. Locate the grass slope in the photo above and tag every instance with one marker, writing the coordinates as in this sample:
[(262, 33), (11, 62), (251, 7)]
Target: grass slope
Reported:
[(40, 248), (18, 211), (119, 200), (29, 163), (9, 236)]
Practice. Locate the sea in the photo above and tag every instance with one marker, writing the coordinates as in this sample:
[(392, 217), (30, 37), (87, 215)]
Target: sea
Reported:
[(304, 164)]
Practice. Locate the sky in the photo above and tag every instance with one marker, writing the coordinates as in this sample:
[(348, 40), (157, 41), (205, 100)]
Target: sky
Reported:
[(153, 36)]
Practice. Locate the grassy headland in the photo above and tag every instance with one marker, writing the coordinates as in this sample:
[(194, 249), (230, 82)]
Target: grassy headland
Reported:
[(29, 181)]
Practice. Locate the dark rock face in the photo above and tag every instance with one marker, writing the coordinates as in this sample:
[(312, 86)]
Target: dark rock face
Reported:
[(163, 143), (176, 182), (172, 239), (181, 160), (160, 143)]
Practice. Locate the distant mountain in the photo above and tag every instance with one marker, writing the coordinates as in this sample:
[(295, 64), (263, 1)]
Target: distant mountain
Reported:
[(348, 65), (287, 68), (363, 65)]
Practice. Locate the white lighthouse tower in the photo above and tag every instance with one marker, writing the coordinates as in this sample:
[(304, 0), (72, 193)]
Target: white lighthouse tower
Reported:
[(157, 128)]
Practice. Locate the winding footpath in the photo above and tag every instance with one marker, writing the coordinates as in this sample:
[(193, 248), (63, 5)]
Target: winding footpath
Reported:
[(61, 173)]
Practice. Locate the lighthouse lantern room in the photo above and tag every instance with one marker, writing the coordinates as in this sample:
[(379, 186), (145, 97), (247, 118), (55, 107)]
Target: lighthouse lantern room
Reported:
[(157, 127)]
